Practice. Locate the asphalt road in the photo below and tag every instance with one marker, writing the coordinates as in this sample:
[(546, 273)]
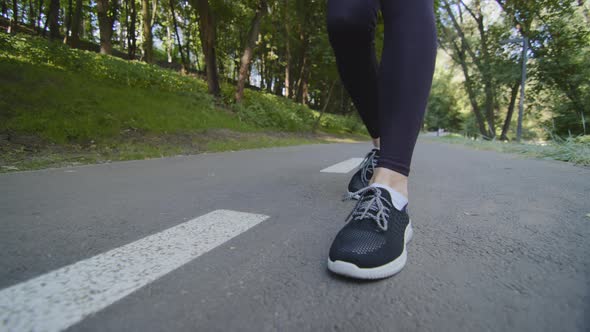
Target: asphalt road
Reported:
[(501, 243)]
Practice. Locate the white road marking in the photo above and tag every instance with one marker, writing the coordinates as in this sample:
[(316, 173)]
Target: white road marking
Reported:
[(62, 298), (343, 167)]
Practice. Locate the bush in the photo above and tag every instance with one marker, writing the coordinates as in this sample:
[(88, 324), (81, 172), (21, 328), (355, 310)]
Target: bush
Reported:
[(343, 124), (271, 111)]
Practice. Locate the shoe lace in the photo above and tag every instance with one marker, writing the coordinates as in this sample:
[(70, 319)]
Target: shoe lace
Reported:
[(369, 163), (371, 205)]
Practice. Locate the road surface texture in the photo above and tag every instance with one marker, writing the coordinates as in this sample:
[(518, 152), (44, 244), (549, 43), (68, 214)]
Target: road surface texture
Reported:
[(501, 243)]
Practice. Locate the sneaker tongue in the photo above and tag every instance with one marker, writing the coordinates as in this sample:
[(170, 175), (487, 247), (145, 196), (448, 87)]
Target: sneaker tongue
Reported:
[(393, 197), (384, 194)]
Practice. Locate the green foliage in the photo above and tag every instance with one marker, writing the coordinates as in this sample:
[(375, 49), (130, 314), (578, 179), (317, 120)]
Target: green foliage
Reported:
[(65, 95), (563, 57), (270, 111), (62, 107), (470, 128), (350, 124), (36, 50), (443, 108), (481, 37)]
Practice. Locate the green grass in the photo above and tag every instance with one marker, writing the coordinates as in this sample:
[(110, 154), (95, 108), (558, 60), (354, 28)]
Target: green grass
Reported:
[(574, 150), (63, 107), (60, 106)]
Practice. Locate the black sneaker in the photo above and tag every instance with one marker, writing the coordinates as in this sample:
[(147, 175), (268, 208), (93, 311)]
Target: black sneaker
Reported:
[(372, 245), (361, 178)]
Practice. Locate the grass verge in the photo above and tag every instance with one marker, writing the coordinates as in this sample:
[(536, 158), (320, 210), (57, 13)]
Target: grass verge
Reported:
[(574, 150), (31, 153)]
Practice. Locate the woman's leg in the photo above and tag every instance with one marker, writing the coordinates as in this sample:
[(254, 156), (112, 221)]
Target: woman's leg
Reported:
[(405, 76), (351, 28), (372, 244)]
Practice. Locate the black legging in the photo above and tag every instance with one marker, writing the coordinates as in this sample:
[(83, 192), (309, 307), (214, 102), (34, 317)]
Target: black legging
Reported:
[(390, 97)]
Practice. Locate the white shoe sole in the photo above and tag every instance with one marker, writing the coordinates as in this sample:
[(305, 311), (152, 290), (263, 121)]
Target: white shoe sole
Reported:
[(379, 272)]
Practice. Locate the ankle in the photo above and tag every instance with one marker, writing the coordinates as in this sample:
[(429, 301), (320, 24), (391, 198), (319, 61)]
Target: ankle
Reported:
[(392, 179), (376, 143)]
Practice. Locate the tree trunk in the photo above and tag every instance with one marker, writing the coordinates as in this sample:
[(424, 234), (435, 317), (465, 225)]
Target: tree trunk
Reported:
[(53, 19), (506, 127), (177, 35), (189, 29), (74, 40), (287, 73), (305, 85), (489, 108), (126, 22), (287, 52), (317, 122), (279, 86), (465, 47), (236, 71), (121, 31), (14, 21), (261, 69), (269, 70), (474, 105), (301, 95), (169, 43), (68, 22), (220, 68), (148, 44), (31, 15), (486, 73), (105, 25), (470, 91), (249, 49), (131, 37), (269, 82), (44, 31), (208, 37), (39, 16)]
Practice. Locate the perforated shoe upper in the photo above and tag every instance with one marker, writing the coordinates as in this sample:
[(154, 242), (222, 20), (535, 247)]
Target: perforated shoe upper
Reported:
[(374, 234)]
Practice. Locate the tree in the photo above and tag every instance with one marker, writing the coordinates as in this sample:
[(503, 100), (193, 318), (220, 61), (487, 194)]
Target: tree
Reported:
[(53, 19), (130, 23), (563, 65), (469, 34), (74, 39), (560, 42), (207, 35), (39, 12), (107, 13), (184, 60), (508, 119), (68, 21), (249, 49), (14, 20), (288, 85), (147, 24)]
